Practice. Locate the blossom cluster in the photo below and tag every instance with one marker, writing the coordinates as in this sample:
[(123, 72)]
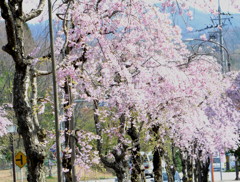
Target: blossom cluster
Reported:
[(129, 55)]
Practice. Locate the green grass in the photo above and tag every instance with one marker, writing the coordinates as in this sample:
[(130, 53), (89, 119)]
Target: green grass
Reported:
[(230, 170), (51, 179)]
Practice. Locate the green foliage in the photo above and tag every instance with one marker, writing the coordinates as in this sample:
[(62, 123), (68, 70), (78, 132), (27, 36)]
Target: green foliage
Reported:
[(231, 170), (47, 118), (178, 160), (84, 118), (236, 152), (5, 151), (6, 86)]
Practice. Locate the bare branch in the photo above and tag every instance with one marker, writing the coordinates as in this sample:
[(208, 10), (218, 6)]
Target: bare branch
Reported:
[(42, 73), (113, 14), (42, 99), (65, 30), (98, 2), (35, 12), (210, 41)]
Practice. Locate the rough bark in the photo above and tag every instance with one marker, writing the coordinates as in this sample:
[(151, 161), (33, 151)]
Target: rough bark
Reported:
[(201, 170), (173, 169), (23, 99), (137, 163), (66, 160), (28, 126), (189, 168), (205, 170), (157, 164), (196, 171), (169, 168), (120, 163), (227, 162), (236, 167), (184, 166)]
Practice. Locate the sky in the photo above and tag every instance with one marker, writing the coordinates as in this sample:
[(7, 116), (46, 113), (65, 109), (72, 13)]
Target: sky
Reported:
[(225, 4)]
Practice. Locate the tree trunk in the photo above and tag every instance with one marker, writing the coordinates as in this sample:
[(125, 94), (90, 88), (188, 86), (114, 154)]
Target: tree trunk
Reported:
[(169, 168), (28, 126), (236, 168), (67, 162), (196, 171), (227, 161), (173, 169), (24, 96), (184, 166), (157, 164), (189, 169), (202, 170), (137, 163), (120, 163), (205, 171), (122, 173)]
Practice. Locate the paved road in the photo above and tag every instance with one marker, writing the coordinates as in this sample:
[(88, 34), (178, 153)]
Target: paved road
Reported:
[(114, 180), (226, 177)]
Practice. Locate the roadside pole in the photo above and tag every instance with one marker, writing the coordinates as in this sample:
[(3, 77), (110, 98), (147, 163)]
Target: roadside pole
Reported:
[(13, 158), (21, 174), (212, 169), (56, 107), (12, 129), (220, 166)]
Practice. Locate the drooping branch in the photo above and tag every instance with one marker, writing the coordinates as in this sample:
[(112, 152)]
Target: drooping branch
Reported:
[(196, 54), (35, 12)]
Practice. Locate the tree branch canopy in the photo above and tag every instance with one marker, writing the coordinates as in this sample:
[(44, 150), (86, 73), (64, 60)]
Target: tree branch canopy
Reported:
[(35, 12)]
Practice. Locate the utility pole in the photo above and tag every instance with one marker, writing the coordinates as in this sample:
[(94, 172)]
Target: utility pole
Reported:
[(219, 22), (212, 168), (55, 92), (223, 62), (220, 25)]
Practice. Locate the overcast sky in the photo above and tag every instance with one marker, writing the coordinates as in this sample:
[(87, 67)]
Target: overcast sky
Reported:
[(225, 4)]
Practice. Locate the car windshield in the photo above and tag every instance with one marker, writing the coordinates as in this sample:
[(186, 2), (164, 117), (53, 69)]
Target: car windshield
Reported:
[(145, 158), (150, 157)]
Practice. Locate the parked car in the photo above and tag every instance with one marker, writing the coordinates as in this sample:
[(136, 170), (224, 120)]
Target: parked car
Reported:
[(147, 163), (148, 167)]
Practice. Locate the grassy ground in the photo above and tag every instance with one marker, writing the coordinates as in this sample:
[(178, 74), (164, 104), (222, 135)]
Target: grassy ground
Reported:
[(6, 175)]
